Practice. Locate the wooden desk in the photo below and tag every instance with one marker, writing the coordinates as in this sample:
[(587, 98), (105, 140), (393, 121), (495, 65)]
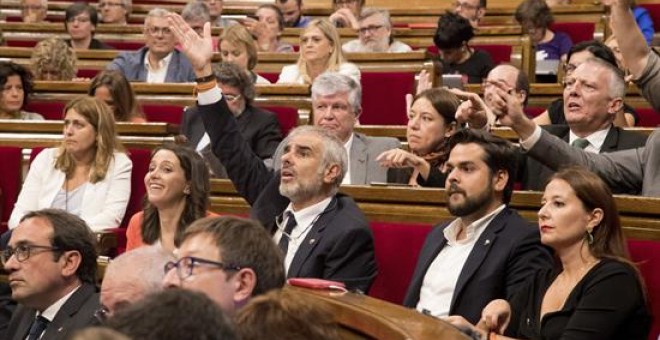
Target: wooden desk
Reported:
[(55, 127)]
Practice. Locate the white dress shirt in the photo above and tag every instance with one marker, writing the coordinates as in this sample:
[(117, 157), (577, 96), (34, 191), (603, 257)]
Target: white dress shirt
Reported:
[(52, 310), (347, 146), (156, 73)]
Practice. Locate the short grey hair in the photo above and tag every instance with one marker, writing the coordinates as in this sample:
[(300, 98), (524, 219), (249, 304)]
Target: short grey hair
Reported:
[(143, 266), (157, 12), (196, 10), (617, 84), (371, 11), (330, 83), (333, 150)]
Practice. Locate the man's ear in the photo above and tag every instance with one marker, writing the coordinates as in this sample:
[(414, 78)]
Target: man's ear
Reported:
[(481, 12), (615, 105), (331, 173), (70, 262), (357, 114), (245, 280), (500, 180)]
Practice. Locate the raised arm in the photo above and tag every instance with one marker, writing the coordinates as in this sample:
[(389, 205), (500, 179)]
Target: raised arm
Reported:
[(633, 46)]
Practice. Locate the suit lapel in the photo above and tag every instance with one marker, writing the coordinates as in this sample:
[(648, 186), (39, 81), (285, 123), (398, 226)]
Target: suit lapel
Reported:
[(611, 140), (425, 260), (172, 68), (312, 239), (358, 159), (24, 325), (60, 323)]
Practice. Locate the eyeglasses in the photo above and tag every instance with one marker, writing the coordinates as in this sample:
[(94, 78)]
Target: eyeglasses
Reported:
[(81, 20), (159, 30), (186, 265), (110, 4), (23, 252), (231, 97), (102, 314), (465, 5), (369, 29)]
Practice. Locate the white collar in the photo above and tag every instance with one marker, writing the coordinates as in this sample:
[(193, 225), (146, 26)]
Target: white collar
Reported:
[(596, 139), (52, 310), (472, 230), (163, 63)]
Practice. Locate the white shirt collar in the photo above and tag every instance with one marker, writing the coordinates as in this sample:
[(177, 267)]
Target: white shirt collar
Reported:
[(163, 63), (52, 310), (472, 231), (596, 139)]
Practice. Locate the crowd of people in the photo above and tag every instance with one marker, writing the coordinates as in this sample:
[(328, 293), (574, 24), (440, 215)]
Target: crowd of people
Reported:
[(189, 273)]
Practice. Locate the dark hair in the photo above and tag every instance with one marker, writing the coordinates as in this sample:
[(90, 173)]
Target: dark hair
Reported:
[(453, 31), (78, 8), (445, 104), (124, 102), (244, 243), (286, 315), (535, 12), (197, 202), (483, 3), (230, 74), (70, 232), (522, 84), (298, 2), (173, 314), (8, 69), (595, 47), (278, 13), (500, 154)]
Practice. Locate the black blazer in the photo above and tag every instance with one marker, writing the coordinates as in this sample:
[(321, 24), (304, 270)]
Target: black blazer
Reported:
[(339, 246), (506, 254), (259, 128), (76, 313), (534, 175)]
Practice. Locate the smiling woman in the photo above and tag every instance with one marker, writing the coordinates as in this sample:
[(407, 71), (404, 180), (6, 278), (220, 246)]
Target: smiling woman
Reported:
[(88, 175)]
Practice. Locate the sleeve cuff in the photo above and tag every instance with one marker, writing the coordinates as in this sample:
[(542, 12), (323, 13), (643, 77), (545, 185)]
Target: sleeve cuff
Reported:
[(531, 141), (209, 97)]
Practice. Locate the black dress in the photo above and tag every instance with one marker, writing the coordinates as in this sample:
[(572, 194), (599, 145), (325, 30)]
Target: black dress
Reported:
[(607, 303), (475, 68)]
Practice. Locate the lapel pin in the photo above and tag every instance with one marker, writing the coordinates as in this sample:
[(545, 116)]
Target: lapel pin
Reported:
[(487, 242), (59, 330), (312, 241)]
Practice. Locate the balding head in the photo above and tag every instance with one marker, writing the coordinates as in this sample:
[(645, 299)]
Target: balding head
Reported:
[(512, 77)]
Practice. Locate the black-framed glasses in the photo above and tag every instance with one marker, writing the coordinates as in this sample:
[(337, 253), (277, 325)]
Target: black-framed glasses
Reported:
[(102, 314), (159, 30), (23, 252), (186, 265), (369, 29)]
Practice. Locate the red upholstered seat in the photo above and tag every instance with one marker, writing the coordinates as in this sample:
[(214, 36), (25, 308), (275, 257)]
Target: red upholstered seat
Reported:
[(10, 181), (397, 249), (272, 77), (166, 113), (51, 110), (578, 31), (21, 43), (124, 45), (648, 117), (534, 111), (287, 116), (646, 254), (87, 73), (383, 97)]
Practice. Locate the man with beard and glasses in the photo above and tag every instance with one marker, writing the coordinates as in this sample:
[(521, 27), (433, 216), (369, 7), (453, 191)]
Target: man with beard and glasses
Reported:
[(322, 233), (375, 34), (489, 250)]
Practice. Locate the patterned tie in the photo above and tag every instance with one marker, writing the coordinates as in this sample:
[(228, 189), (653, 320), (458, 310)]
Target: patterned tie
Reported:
[(38, 327), (580, 143), (286, 233)]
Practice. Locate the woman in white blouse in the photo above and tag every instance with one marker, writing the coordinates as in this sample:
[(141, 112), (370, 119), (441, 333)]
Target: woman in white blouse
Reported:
[(88, 175), (320, 51)]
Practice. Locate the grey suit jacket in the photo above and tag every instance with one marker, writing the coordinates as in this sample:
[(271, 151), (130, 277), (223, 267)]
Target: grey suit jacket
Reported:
[(633, 170), (76, 313), (535, 175), (131, 64)]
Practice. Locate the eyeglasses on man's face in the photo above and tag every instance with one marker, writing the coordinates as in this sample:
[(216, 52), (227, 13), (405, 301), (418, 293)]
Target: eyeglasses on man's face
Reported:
[(159, 30), (369, 29), (185, 266), (22, 252)]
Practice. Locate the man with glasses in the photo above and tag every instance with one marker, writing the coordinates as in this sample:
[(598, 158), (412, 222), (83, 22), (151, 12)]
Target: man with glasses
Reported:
[(158, 61), (51, 261), (473, 10), (229, 259), (375, 34), (260, 128), (115, 11), (34, 11)]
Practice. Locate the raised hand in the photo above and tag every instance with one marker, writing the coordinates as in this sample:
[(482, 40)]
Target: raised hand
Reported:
[(508, 109), (199, 50), (473, 110)]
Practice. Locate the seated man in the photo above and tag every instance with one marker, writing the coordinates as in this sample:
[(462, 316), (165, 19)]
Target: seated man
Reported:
[(215, 10), (346, 13), (473, 10), (489, 250), (34, 11), (249, 262), (258, 127), (292, 11), (375, 34), (329, 235), (131, 276), (115, 11), (158, 61), (51, 260)]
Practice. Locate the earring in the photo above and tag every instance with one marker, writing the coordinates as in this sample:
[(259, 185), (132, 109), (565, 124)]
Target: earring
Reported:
[(186, 190), (590, 237)]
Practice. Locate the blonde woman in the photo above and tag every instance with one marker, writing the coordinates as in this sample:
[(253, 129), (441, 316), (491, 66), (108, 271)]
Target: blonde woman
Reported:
[(320, 51), (53, 59), (88, 175)]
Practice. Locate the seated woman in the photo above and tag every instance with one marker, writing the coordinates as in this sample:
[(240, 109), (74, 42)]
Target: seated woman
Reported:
[(88, 175), (267, 29), (80, 21), (431, 121), (594, 291), (53, 59), (535, 18), (16, 82), (451, 38), (112, 87), (237, 46), (178, 189), (320, 51)]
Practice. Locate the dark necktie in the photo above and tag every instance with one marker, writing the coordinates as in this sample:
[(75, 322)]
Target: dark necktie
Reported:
[(580, 143), (286, 233), (38, 327)]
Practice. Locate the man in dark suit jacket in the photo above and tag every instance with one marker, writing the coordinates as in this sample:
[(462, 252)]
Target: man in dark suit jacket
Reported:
[(489, 251), (259, 128), (51, 260)]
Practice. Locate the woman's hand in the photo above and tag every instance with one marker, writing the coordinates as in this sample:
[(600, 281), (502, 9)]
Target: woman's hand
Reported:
[(399, 158), (462, 324), (496, 316)]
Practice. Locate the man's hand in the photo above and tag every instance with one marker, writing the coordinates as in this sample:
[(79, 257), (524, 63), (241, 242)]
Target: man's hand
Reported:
[(508, 109), (199, 50), (472, 110), (624, 4), (345, 17)]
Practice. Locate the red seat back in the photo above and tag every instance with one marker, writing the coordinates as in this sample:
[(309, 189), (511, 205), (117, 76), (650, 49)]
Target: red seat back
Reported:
[(648, 117), (272, 77), (87, 73), (654, 11), (125, 45), (498, 53), (384, 97), (166, 113), (646, 254), (532, 112), (578, 31), (397, 249), (287, 117), (51, 110), (10, 180)]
